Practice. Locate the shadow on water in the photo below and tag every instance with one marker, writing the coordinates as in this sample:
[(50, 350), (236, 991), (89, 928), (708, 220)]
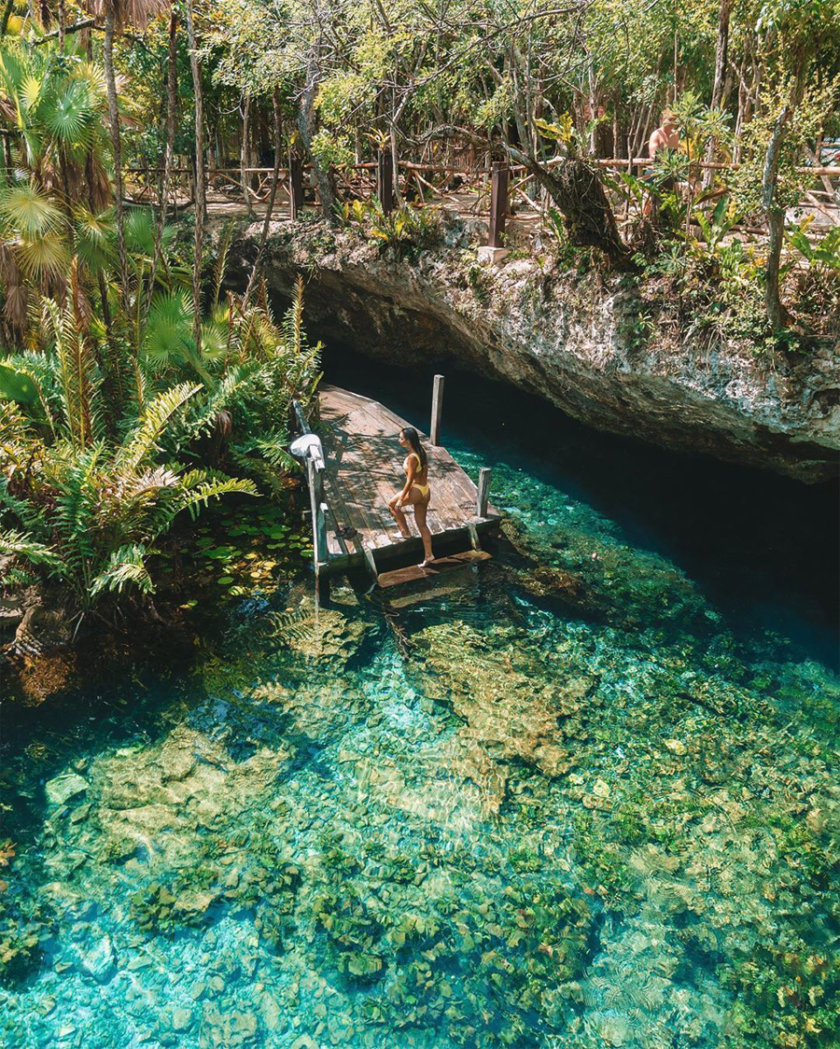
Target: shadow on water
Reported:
[(763, 548)]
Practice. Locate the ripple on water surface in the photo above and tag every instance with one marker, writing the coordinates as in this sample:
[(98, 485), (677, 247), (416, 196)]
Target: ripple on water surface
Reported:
[(565, 804)]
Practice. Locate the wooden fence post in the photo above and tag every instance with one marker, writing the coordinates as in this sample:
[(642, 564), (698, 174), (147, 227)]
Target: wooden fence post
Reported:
[(498, 203), (437, 410), (483, 492), (295, 186), (385, 181)]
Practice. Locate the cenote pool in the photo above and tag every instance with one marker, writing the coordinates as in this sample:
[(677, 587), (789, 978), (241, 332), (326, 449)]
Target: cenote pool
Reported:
[(586, 797)]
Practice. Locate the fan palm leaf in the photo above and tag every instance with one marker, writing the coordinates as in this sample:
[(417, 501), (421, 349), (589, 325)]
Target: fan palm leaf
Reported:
[(168, 336), (94, 238), (140, 232), (69, 116), (28, 212), (47, 256)]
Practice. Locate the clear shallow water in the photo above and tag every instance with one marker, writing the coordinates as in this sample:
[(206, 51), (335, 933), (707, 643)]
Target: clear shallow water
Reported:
[(588, 796)]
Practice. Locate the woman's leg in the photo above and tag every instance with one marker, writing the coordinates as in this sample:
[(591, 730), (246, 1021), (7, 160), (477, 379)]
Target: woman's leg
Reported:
[(399, 517), (420, 508)]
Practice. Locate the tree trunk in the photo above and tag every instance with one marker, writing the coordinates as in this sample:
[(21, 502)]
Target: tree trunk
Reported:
[(275, 178), (7, 14), (395, 163), (171, 110), (306, 127), (721, 61), (593, 105), (243, 154), (116, 148), (200, 195), (776, 313), (169, 149), (578, 192)]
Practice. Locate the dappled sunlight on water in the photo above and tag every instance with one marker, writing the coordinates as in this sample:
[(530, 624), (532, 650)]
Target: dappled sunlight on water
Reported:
[(564, 804)]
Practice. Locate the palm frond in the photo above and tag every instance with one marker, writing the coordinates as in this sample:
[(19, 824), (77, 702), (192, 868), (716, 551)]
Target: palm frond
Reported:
[(140, 231), (21, 544), (45, 256), (126, 567), (142, 440), (25, 210), (168, 337), (198, 492), (94, 238), (66, 326), (69, 116)]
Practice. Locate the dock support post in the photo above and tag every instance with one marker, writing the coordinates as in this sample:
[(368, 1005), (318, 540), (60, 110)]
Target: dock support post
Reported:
[(498, 203), (483, 491), (385, 181), (437, 410), (321, 533), (295, 187), (319, 514)]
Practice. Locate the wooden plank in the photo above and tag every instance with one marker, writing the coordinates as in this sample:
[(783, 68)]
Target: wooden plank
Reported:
[(364, 471), (412, 573), (416, 597)]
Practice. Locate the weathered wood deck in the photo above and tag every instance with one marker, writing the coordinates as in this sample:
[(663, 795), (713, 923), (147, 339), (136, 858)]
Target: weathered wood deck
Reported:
[(363, 471)]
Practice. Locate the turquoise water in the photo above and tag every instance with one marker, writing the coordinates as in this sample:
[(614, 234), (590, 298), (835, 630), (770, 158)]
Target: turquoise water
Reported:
[(585, 796)]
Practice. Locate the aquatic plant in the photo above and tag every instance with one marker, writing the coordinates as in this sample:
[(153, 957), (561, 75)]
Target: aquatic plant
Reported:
[(90, 514)]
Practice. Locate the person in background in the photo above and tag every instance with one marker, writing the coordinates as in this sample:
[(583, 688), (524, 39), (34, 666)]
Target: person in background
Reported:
[(666, 136)]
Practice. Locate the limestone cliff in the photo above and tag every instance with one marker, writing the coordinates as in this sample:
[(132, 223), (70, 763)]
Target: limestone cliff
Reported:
[(588, 343)]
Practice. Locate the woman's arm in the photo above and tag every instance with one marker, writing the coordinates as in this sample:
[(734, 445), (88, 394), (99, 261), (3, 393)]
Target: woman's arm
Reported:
[(409, 478)]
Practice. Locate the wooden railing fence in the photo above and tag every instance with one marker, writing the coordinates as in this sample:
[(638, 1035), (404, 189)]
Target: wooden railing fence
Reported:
[(481, 189)]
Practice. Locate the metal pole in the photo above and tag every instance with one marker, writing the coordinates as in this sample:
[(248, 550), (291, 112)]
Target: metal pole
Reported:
[(437, 410), (483, 491), (498, 203)]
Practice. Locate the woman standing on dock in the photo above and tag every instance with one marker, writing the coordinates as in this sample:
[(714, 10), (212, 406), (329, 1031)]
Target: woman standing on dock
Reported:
[(415, 492)]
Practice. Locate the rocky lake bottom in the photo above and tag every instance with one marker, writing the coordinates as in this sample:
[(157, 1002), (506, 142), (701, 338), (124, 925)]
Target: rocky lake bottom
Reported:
[(585, 796)]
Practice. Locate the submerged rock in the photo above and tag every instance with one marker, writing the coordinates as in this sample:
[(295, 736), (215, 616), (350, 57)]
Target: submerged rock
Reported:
[(99, 960), (64, 787), (512, 711)]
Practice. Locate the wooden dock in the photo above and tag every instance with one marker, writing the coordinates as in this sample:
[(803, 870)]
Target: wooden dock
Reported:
[(358, 468)]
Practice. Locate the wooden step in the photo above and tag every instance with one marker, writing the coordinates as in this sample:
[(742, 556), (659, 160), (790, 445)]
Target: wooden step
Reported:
[(412, 573)]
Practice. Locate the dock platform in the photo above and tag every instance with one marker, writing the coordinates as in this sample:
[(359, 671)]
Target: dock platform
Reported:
[(362, 469)]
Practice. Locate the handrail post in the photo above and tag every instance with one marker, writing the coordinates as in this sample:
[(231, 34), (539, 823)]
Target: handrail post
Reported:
[(437, 410), (498, 203), (319, 511), (385, 180), (482, 492), (295, 186)]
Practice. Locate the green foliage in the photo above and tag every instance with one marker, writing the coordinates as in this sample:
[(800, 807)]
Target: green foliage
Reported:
[(406, 230), (824, 256), (108, 505)]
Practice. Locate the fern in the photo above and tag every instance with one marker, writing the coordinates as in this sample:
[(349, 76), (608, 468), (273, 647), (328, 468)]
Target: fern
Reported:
[(141, 442), (21, 544), (198, 488), (126, 566)]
